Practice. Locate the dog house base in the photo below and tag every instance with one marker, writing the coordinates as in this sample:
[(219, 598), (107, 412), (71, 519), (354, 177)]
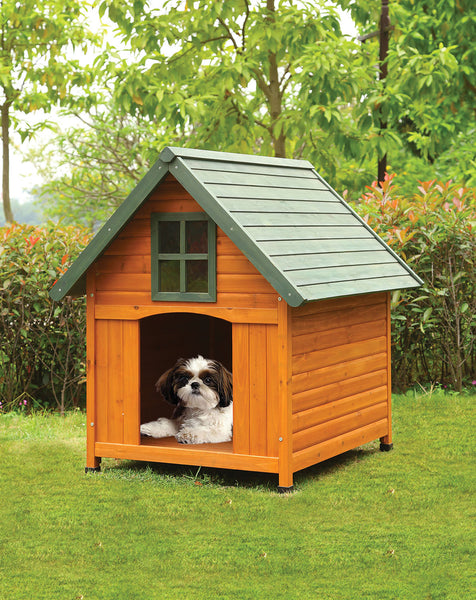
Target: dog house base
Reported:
[(92, 469), (385, 447), (285, 490)]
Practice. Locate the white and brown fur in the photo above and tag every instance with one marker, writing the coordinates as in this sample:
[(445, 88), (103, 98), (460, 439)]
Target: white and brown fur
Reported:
[(202, 392)]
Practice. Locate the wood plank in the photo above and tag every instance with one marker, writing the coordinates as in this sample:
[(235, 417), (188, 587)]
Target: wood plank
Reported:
[(387, 439), (231, 282), (320, 322), (321, 260), (91, 459), (326, 204), (310, 380), (333, 410), (201, 166), (180, 201), (136, 228), (259, 193), (293, 218), (337, 427), (102, 380), (280, 248), (204, 456), (338, 304), (353, 273), (339, 389), (237, 179), (272, 385), (283, 233), (258, 390), (339, 336), (233, 315), (330, 290), (320, 452), (123, 282), (123, 264), (285, 408), (338, 354), (115, 389), (241, 388), (235, 264), (129, 246), (131, 392), (228, 300)]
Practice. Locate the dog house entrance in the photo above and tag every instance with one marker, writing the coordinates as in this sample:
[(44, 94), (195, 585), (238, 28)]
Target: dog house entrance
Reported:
[(167, 337)]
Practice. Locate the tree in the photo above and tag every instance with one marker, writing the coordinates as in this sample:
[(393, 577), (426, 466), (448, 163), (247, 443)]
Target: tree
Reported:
[(35, 70), (90, 168), (429, 96), (268, 77)]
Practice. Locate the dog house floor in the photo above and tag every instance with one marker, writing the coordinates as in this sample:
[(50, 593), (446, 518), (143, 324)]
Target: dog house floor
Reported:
[(171, 442)]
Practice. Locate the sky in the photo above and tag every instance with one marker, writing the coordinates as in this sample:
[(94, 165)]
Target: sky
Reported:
[(23, 174)]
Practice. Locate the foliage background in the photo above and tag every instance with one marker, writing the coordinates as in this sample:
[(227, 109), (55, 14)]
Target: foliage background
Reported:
[(42, 356)]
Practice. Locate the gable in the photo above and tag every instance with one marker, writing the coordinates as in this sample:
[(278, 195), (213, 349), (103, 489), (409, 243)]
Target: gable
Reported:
[(290, 224)]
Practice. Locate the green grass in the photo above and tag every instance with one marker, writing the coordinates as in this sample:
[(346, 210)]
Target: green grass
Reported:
[(365, 525)]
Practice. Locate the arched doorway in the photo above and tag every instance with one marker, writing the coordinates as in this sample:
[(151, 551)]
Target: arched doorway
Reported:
[(166, 337)]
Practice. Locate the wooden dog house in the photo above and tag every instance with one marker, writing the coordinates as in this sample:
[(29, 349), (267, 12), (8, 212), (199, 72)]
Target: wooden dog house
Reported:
[(258, 263)]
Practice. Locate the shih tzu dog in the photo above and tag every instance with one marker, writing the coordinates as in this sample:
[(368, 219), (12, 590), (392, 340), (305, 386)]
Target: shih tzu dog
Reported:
[(202, 392)]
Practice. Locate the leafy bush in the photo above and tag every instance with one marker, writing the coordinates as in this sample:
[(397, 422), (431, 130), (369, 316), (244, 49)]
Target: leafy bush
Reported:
[(434, 326), (42, 356)]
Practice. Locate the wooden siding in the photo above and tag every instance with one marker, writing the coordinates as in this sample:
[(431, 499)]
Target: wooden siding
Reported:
[(123, 271), (255, 390), (340, 391), (117, 386)]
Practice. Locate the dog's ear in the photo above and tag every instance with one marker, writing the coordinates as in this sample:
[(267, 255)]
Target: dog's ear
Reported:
[(165, 385), (225, 385)]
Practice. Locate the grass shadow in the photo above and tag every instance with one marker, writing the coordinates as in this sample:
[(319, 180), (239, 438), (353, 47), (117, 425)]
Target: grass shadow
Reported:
[(192, 475)]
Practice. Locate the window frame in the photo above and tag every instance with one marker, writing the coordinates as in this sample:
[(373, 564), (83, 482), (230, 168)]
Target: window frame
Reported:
[(182, 257)]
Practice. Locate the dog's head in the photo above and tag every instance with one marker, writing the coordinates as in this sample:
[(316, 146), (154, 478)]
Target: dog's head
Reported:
[(197, 383)]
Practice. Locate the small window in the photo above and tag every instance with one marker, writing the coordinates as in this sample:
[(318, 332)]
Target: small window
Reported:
[(183, 257)]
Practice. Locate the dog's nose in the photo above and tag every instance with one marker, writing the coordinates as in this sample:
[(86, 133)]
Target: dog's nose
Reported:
[(195, 385)]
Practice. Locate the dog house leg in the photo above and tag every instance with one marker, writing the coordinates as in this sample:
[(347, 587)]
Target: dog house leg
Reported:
[(386, 443), (94, 469)]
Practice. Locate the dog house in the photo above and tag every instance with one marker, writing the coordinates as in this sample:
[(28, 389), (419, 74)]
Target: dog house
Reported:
[(258, 263)]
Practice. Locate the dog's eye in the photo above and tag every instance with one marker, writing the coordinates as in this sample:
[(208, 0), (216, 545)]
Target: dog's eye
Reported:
[(183, 380), (207, 380)]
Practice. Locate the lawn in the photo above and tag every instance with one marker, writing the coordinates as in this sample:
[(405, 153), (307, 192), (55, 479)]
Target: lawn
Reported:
[(366, 525)]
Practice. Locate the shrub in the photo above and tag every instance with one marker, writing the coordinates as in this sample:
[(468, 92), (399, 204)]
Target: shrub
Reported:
[(434, 326), (42, 356)]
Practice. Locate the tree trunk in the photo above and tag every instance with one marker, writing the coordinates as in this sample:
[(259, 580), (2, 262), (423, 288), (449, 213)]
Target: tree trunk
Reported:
[(7, 206), (275, 97)]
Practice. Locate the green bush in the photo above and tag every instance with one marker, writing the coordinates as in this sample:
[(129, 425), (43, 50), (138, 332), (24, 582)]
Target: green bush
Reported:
[(42, 355), (434, 326)]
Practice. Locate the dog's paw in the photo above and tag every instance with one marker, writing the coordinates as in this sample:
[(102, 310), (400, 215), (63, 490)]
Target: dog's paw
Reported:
[(187, 436), (147, 429)]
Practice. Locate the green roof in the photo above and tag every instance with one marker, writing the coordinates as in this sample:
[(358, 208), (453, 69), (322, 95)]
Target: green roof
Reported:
[(294, 228)]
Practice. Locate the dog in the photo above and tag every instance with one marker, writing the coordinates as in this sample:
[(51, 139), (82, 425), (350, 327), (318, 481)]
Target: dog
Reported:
[(202, 392)]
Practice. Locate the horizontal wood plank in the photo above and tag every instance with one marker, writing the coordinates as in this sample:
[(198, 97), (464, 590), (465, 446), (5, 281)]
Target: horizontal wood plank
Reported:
[(338, 354), (326, 204), (348, 274), (338, 304), (337, 390), (232, 300), (234, 315), (204, 166), (333, 410), (340, 372), (323, 259), (337, 427), (320, 452), (319, 322), (279, 248), (282, 232), (172, 452), (294, 219), (338, 336)]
